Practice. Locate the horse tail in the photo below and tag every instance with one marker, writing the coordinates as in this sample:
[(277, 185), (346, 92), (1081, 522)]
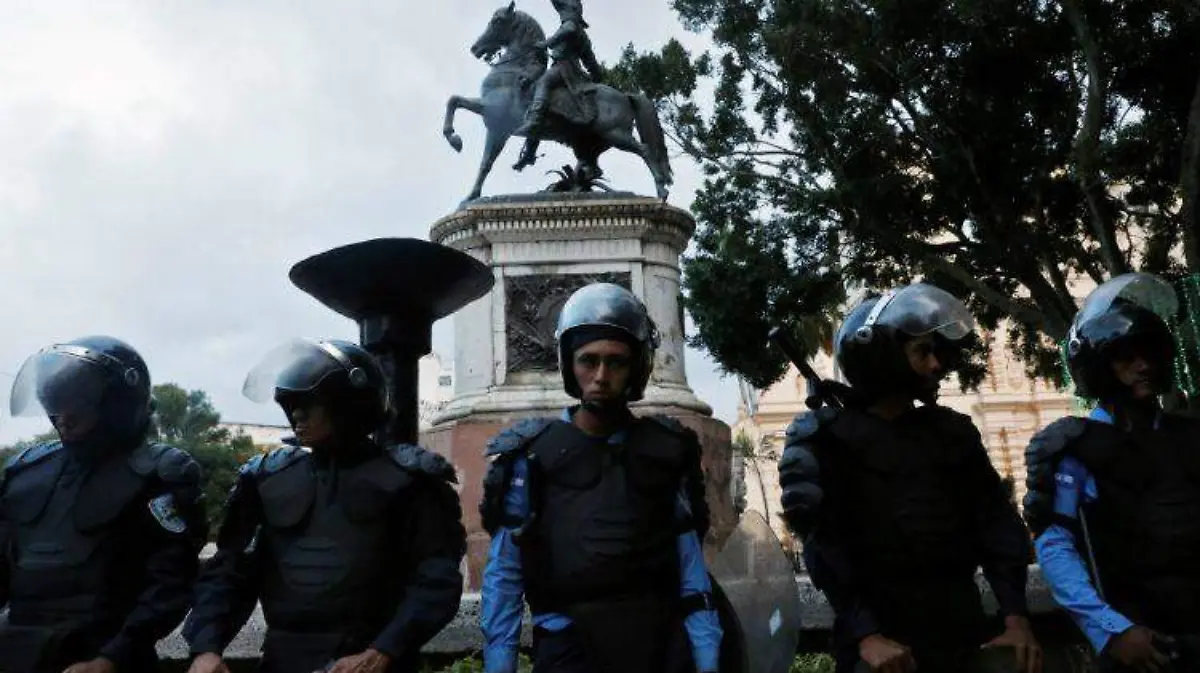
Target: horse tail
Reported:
[(645, 116)]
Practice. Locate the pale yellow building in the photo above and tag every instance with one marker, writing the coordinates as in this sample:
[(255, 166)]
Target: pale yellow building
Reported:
[(1007, 408)]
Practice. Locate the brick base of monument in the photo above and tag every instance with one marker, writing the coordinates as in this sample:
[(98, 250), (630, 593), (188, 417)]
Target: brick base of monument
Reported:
[(463, 441)]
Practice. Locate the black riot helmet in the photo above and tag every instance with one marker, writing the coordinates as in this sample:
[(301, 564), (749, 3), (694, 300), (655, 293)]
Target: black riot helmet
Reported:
[(94, 374), (342, 376), (606, 311), (1127, 313), (869, 346)]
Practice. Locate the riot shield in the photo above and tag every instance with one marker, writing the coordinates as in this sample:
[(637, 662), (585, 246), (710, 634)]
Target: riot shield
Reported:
[(759, 605)]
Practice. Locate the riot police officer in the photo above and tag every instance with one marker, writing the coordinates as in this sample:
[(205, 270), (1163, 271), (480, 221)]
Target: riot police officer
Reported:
[(596, 516), (353, 550), (1122, 486), (99, 531), (898, 504)]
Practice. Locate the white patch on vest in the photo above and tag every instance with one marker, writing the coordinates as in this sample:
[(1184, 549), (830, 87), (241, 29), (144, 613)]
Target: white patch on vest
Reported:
[(1064, 479), (163, 509), (776, 621), (518, 482)]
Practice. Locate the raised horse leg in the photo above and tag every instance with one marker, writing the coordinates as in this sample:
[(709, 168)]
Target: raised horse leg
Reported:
[(453, 104)]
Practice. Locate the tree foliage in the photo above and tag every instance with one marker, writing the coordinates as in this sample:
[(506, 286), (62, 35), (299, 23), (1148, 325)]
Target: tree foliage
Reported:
[(187, 420), (1001, 150)]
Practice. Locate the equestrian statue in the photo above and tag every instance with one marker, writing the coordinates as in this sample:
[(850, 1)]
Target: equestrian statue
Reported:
[(543, 88)]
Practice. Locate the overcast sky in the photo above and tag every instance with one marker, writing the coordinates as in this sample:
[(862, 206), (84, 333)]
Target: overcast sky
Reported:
[(162, 166)]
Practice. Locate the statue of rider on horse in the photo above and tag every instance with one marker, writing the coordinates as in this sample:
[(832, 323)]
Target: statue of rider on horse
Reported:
[(571, 59), (565, 102)]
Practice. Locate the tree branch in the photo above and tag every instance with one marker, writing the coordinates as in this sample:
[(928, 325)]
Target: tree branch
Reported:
[(1087, 142), (1010, 305), (1189, 182)]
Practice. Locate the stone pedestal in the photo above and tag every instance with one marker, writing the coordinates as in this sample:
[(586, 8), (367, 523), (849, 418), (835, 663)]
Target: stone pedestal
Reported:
[(542, 248)]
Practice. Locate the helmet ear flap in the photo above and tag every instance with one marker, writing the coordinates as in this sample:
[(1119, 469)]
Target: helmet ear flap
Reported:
[(358, 377)]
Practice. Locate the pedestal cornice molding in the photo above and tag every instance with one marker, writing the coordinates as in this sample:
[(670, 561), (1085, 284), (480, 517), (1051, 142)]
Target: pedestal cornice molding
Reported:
[(553, 217)]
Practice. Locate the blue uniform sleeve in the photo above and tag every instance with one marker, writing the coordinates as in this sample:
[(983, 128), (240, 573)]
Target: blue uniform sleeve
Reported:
[(703, 627), (1064, 567), (503, 588)]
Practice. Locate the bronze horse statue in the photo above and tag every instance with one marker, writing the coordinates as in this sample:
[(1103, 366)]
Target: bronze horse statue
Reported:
[(510, 44)]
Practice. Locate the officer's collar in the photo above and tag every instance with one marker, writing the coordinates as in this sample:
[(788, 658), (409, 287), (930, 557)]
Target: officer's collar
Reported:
[(617, 437), (1101, 415), (347, 454)]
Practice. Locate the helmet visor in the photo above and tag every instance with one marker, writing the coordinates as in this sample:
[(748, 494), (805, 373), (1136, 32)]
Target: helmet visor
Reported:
[(1141, 290), (296, 366), (921, 309), (60, 380)]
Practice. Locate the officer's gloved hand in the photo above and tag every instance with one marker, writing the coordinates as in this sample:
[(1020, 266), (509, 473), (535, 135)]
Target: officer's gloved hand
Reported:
[(209, 663)]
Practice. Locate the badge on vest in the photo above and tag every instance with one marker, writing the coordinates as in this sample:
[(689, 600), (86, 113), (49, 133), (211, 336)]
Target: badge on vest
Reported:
[(163, 509)]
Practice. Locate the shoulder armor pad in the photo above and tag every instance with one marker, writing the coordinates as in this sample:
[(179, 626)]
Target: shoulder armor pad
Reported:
[(676, 427), (955, 422), (253, 465), (947, 413), (269, 463), (31, 455), (807, 423), (1046, 448), (1055, 438), (414, 458), (517, 436), (669, 423), (172, 465)]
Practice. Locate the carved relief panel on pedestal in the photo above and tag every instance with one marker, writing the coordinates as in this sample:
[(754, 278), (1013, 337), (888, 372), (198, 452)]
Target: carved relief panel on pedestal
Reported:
[(532, 305)]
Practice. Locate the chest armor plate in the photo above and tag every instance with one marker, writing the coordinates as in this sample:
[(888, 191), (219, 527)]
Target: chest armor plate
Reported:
[(906, 497), (65, 540), (606, 512), (327, 533), (1145, 526)]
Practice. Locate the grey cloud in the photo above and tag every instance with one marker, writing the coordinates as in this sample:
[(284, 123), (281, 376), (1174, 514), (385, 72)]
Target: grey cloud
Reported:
[(166, 163)]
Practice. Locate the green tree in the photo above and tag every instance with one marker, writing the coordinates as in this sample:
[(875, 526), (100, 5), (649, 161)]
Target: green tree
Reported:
[(754, 456), (998, 149), (187, 420)]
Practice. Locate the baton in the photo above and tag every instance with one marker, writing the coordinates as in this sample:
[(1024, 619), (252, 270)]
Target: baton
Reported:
[(784, 342)]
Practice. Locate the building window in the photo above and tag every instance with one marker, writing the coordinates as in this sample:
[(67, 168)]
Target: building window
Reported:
[(444, 380)]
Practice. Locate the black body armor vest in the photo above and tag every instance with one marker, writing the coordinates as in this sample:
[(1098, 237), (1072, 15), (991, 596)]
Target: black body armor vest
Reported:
[(69, 586), (1145, 525), (602, 542), (606, 519), (333, 585), (906, 516)]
